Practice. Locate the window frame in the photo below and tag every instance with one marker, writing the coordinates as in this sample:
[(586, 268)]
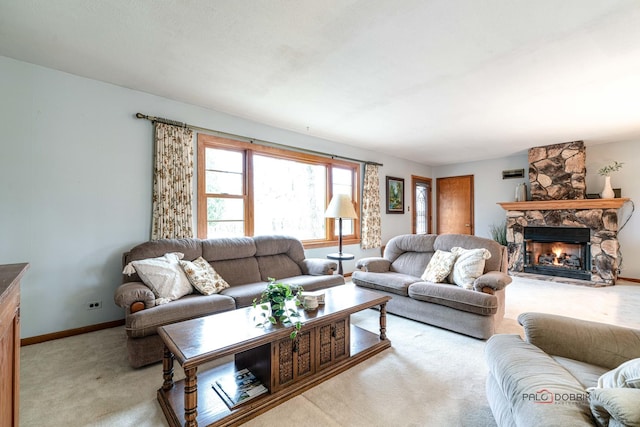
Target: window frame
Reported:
[(249, 149)]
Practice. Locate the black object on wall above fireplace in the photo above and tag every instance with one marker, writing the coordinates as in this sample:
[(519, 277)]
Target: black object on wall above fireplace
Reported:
[(558, 251)]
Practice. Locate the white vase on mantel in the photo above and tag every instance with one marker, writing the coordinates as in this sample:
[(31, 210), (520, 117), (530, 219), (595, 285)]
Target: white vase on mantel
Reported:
[(607, 191)]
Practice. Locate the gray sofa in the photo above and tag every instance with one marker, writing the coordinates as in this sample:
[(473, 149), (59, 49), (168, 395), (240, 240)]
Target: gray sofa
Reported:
[(245, 263), (473, 312), (543, 380)]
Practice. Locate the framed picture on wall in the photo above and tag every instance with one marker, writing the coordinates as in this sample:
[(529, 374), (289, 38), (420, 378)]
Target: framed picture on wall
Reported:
[(395, 195)]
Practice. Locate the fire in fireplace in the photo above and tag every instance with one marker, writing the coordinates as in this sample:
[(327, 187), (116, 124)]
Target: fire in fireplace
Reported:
[(558, 251)]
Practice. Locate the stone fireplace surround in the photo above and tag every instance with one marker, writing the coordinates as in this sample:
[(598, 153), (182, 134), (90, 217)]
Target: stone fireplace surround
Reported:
[(557, 183), (599, 215)]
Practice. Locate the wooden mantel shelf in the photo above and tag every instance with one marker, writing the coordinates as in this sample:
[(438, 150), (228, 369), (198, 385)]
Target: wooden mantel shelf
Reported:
[(542, 205)]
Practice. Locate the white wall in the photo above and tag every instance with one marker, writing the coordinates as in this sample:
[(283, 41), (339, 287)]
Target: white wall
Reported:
[(490, 189), (75, 185), (628, 180)]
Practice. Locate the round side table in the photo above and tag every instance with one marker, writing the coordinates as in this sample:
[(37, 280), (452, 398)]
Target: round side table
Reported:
[(339, 256)]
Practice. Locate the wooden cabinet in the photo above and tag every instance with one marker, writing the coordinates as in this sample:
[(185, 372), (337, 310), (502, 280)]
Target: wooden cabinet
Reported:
[(332, 342), (312, 350), (10, 276), (293, 359)]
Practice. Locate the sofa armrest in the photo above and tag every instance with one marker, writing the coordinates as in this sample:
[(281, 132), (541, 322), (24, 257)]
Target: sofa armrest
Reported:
[(596, 343), (133, 292), (374, 265), (619, 404), (495, 280), (318, 266)]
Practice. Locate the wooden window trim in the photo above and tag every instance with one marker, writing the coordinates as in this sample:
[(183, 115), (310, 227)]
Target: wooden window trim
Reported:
[(249, 149)]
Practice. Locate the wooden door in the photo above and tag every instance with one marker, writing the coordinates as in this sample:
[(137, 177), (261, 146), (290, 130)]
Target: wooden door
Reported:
[(454, 197), (421, 201)]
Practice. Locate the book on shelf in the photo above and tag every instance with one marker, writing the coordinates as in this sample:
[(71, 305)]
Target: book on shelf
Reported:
[(238, 388)]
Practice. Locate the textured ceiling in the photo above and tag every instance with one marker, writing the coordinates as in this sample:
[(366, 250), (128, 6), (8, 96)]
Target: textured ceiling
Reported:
[(437, 82)]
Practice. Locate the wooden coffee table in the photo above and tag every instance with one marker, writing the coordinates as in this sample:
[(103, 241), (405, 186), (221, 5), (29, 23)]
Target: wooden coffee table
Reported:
[(326, 345)]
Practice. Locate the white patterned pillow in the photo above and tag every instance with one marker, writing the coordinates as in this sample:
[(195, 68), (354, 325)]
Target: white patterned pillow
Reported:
[(439, 267), (469, 265), (164, 276), (203, 277), (625, 375)]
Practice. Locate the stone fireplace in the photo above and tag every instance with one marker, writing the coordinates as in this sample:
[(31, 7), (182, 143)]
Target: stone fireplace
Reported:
[(559, 232)]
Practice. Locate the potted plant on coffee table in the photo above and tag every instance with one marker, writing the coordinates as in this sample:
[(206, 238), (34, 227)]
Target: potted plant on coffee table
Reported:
[(278, 303)]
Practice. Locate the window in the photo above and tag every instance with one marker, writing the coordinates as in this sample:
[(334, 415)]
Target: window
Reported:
[(247, 189)]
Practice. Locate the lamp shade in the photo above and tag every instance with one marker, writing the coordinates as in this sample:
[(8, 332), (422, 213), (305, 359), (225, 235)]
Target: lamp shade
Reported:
[(341, 206)]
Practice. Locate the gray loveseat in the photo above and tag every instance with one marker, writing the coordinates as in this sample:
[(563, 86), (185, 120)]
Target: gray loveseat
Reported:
[(543, 380), (473, 312), (245, 263)]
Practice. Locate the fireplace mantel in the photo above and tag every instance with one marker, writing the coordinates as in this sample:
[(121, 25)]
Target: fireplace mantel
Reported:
[(542, 205)]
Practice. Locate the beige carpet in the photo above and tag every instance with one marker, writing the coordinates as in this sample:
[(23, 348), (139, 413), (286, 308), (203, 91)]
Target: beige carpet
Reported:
[(430, 377)]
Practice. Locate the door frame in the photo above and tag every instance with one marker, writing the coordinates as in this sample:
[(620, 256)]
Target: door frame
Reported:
[(415, 179)]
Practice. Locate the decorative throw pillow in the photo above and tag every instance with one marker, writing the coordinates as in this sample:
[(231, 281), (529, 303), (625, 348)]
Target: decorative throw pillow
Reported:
[(439, 267), (469, 265), (626, 375), (203, 277), (164, 276)]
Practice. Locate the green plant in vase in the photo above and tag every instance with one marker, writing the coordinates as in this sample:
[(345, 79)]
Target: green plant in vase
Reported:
[(606, 171), (280, 300), (499, 232)]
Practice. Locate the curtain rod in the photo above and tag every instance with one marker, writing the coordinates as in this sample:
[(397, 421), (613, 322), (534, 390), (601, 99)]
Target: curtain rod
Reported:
[(247, 139)]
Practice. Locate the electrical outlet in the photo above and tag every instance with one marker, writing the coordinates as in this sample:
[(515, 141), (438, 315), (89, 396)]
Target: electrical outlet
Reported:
[(93, 305)]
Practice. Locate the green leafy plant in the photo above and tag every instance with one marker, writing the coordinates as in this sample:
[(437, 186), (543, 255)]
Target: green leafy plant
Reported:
[(613, 167), (499, 232), (279, 297)]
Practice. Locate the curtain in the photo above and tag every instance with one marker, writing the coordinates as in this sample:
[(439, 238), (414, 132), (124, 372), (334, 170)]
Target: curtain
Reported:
[(371, 230), (172, 183)]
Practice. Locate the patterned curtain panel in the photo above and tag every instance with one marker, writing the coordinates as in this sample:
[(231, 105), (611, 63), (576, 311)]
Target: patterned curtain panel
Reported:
[(172, 183), (371, 230)]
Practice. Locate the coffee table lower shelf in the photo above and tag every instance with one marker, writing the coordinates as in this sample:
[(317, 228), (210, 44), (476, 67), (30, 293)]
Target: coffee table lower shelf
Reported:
[(213, 411)]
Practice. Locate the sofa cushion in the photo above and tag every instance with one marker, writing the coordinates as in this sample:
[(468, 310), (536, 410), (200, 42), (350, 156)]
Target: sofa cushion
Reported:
[(238, 271), (164, 276), (398, 245), (439, 267), (226, 248), (411, 263), (410, 254), (275, 245), (586, 373), (395, 283), (278, 267), (454, 297), (468, 266), (245, 294), (145, 322), (203, 277)]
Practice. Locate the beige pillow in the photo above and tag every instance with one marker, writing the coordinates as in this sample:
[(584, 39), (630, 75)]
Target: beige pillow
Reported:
[(164, 276), (203, 277), (439, 267), (469, 265), (626, 375)]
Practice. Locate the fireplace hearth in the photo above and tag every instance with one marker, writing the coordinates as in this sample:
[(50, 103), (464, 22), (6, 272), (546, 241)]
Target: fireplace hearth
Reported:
[(558, 251)]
